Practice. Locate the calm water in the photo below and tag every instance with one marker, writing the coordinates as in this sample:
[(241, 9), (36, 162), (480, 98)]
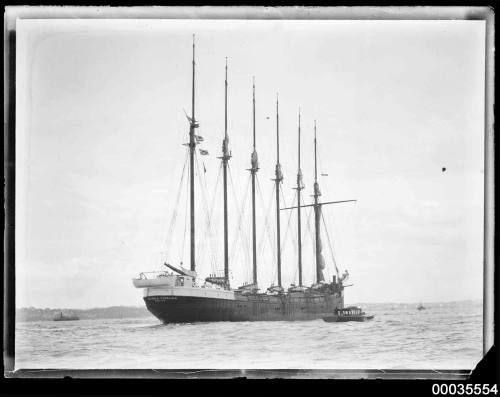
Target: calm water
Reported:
[(443, 336)]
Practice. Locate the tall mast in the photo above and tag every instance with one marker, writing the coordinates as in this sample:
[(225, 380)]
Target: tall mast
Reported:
[(192, 148), (320, 261), (253, 170), (226, 155), (317, 215), (299, 187), (277, 181)]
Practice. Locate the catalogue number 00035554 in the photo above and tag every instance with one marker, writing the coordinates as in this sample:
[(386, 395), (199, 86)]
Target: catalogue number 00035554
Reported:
[(464, 389)]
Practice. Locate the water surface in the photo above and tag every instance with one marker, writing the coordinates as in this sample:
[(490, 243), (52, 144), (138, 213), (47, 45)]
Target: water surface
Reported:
[(444, 336)]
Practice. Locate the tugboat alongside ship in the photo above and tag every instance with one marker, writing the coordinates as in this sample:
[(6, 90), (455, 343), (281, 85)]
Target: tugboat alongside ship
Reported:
[(351, 313), (182, 297)]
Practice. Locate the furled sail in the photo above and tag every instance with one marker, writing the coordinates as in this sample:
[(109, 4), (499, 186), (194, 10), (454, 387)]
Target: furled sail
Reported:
[(321, 262), (255, 159), (300, 182), (319, 247), (279, 174)]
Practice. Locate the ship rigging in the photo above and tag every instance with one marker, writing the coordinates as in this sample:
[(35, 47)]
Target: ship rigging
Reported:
[(182, 296)]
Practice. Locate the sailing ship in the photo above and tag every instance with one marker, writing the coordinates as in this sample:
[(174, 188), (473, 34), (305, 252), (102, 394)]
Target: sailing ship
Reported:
[(181, 296)]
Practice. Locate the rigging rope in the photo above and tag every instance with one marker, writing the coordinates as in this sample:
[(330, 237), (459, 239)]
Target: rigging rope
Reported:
[(267, 226), (294, 241), (173, 219), (309, 213), (241, 235), (285, 238), (330, 245), (204, 238), (240, 217), (296, 271), (212, 206), (185, 215), (208, 222), (261, 242), (212, 233)]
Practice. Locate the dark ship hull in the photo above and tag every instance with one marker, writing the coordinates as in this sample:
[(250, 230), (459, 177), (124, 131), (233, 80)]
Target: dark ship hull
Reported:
[(255, 307)]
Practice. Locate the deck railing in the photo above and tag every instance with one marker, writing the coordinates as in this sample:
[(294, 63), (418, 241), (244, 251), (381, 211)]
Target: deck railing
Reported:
[(153, 275)]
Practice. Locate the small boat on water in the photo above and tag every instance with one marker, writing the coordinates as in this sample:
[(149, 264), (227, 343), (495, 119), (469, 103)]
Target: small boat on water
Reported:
[(63, 317), (420, 307), (350, 313)]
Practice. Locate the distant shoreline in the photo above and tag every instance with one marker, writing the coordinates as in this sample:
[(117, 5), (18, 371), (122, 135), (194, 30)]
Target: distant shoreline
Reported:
[(112, 312), (116, 312)]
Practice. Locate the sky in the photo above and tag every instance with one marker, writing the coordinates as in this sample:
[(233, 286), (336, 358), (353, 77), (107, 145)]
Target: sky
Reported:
[(99, 153)]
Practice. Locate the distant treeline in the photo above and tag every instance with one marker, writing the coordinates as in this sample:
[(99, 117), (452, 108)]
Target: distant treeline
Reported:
[(35, 314)]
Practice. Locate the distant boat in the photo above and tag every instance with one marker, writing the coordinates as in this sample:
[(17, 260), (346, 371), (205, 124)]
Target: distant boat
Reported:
[(420, 307), (62, 317), (350, 313)]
